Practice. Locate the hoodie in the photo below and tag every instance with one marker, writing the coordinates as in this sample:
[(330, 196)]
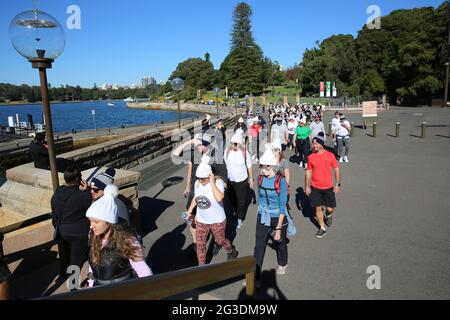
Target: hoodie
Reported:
[(69, 206)]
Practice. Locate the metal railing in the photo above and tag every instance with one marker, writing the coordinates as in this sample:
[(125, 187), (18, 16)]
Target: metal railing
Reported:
[(169, 284)]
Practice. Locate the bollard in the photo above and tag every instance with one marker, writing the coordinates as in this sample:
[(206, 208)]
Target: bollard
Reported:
[(424, 124), (329, 129), (374, 133), (397, 129), (352, 125)]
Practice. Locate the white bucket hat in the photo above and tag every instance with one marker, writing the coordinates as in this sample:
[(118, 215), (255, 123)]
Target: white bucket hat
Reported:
[(268, 158)]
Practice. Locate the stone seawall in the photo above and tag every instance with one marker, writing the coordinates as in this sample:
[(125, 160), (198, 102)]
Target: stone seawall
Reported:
[(185, 107)]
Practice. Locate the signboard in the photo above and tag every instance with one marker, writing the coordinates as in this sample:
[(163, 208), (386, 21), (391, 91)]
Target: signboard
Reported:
[(334, 89), (369, 109), (322, 89), (328, 93)]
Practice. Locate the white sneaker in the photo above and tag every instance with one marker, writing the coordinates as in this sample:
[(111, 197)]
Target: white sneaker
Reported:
[(301, 164), (306, 166), (281, 270), (345, 159), (341, 159)]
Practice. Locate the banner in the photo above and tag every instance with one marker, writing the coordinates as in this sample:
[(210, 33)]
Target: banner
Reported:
[(328, 94), (334, 89), (322, 89), (369, 109)]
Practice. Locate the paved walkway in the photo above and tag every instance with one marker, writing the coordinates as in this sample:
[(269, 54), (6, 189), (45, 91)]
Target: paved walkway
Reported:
[(393, 212)]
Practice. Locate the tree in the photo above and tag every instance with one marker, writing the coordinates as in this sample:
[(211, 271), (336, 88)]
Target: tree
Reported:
[(196, 73), (241, 34), (207, 57)]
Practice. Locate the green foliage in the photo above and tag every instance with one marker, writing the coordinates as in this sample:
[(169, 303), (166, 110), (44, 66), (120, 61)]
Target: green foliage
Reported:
[(196, 73), (241, 35), (403, 59), (242, 70)]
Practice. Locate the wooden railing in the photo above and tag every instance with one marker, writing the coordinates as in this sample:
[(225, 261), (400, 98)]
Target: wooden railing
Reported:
[(169, 284)]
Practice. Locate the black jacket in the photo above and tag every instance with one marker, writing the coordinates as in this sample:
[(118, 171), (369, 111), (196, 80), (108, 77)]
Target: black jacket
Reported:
[(39, 155), (69, 206)]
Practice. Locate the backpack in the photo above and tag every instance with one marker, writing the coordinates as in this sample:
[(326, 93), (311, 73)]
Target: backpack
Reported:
[(277, 183)]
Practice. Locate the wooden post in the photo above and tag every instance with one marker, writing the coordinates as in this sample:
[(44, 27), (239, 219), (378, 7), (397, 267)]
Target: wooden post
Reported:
[(250, 284)]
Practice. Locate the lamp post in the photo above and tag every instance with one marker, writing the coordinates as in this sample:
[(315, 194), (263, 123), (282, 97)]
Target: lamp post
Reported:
[(217, 90), (40, 38), (177, 84)]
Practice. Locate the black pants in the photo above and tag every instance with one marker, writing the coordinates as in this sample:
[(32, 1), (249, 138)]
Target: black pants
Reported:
[(303, 149), (262, 236), (238, 196), (73, 250)]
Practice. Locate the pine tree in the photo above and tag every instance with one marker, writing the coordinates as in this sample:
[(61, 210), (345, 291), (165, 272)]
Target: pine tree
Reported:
[(241, 35)]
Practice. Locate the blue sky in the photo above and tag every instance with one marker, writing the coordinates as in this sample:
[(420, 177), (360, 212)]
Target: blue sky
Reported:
[(123, 41)]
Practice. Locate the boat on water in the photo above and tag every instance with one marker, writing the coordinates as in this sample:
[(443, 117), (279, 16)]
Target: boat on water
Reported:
[(129, 99), (110, 104)]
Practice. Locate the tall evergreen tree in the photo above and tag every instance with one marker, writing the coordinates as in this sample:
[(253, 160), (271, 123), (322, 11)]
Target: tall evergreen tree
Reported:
[(241, 34)]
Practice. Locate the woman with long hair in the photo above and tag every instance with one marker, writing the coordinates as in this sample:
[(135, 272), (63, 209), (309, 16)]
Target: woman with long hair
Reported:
[(115, 254)]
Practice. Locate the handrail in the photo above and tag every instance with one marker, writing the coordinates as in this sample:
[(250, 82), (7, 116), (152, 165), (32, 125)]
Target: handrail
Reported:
[(169, 284), (25, 223)]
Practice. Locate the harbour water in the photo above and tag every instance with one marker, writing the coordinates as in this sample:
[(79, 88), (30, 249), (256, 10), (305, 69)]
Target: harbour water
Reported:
[(79, 116)]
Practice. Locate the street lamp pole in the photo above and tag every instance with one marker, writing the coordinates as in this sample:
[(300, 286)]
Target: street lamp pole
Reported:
[(177, 84), (43, 64), (447, 64)]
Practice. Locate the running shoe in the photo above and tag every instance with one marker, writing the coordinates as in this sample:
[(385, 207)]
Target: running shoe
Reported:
[(329, 219), (321, 233), (216, 249), (233, 254)]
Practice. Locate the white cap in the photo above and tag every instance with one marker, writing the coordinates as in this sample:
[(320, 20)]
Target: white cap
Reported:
[(241, 120), (268, 158), (105, 208), (237, 138), (208, 117), (303, 120), (276, 144)]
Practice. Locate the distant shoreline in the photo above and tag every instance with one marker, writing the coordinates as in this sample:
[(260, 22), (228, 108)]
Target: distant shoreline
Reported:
[(21, 103)]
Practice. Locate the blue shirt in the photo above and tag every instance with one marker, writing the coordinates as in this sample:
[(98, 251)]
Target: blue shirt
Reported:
[(270, 203)]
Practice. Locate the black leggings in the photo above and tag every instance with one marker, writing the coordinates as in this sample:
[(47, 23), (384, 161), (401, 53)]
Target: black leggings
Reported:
[(303, 150), (238, 196)]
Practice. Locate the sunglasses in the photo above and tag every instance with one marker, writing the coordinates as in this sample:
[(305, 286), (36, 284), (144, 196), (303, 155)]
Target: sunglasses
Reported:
[(263, 166), (95, 190)]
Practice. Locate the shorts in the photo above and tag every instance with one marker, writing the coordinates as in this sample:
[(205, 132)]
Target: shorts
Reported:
[(323, 197)]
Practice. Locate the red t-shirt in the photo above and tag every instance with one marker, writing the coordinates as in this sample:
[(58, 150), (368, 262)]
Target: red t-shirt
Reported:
[(321, 165)]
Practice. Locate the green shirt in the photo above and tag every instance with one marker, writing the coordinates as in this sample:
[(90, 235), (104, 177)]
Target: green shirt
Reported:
[(302, 132)]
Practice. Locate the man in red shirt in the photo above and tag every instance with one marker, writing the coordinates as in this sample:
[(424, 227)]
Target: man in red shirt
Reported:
[(319, 182)]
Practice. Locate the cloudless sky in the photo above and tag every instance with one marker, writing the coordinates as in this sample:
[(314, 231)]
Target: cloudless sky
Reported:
[(122, 41)]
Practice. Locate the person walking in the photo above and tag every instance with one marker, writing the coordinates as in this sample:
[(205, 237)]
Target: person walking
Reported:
[(240, 175), (292, 125), (200, 145), (343, 139), (316, 126), (254, 132), (209, 195), (302, 143), (319, 183), (271, 221), (115, 254), (69, 204), (280, 131)]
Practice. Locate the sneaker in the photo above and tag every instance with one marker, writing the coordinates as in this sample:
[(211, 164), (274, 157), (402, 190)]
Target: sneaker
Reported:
[(233, 254), (329, 219), (239, 223), (341, 159), (216, 249), (301, 164), (281, 270), (306, 166), (321, 233), (345, 159)]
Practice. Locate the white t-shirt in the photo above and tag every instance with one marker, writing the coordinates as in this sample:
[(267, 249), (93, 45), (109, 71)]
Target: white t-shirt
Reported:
[(292, 126), (335, 124), (341, 131), (236, 166), (209, 211)]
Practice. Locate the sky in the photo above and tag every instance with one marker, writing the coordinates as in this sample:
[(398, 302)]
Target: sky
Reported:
[(123, 41)]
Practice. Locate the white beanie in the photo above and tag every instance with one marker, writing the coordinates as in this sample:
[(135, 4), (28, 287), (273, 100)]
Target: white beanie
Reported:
[(105, 208), (268, 158), (237, 138), (241, 120), (204, 169)]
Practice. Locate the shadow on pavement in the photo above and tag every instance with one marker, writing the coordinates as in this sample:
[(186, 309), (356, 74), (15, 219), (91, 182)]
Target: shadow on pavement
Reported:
[(304, 205), (269, 288), (150, 210), (38, 268), (167, 253)]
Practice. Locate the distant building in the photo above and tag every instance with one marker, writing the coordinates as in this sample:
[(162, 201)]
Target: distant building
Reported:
[(147, 82)]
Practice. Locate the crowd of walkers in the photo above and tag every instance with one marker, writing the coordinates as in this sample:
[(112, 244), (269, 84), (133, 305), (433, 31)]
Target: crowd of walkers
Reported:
[(92, 224)]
